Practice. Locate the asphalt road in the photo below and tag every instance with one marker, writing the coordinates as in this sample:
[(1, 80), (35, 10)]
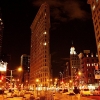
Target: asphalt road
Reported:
[(59, 96), (94, 97)]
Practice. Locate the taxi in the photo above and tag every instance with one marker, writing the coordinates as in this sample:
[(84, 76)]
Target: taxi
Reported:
[(85, 92)]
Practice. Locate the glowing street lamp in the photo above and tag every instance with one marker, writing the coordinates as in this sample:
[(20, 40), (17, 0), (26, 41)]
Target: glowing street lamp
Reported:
[(70, 81), (79, 73), (37, 81), (19, 69)]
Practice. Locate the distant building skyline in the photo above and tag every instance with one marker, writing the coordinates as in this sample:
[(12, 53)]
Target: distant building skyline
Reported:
[(25, 64)]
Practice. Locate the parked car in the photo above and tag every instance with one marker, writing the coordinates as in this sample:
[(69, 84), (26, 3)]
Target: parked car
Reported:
[(85, 92)]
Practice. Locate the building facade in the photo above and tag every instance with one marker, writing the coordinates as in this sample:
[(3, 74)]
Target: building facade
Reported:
[(40, 63), (88, 61), (2, 64), (95, 9)]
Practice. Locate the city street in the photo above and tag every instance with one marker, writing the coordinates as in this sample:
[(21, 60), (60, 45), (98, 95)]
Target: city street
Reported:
[(51, 96), (94, 97), (59, 96)]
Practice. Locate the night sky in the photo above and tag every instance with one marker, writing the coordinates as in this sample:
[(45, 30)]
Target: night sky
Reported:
[(71, 21)]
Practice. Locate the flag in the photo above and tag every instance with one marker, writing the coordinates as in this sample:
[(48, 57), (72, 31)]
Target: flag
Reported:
[(96, 67)]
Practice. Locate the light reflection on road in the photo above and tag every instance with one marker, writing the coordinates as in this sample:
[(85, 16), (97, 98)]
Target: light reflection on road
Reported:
[(60, 96)]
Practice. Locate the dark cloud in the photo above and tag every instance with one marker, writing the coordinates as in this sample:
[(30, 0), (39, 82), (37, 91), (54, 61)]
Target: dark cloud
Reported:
[(65, 10)]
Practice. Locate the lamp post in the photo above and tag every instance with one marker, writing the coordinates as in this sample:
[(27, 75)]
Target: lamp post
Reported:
[(61, 75), (37, 81), (79, 83), (19, 69), (11, 78)]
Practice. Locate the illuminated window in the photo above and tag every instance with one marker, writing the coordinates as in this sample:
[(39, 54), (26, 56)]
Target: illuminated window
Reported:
[(45, 43), (93, 7), (45, 33), (87, 64), (92, 55), (96, 0), (98, 45)]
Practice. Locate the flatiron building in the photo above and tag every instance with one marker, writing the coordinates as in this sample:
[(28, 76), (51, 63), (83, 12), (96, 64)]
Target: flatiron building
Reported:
[(40, 49), (95, 9)]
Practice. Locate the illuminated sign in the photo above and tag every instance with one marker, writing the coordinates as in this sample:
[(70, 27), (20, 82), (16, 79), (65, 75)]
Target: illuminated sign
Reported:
[(97, 74), (3, 66)]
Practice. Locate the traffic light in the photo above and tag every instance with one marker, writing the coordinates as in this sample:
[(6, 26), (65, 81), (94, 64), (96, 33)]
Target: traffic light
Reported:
[(0, 80), (1, 77), (62, 82), (77, 77)]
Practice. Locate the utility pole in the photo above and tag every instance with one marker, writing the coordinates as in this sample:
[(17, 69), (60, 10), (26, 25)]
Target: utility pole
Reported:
[(10, 78)]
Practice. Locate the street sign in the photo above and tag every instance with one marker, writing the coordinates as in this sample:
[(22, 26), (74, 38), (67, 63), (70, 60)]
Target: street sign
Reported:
[(97, 74)]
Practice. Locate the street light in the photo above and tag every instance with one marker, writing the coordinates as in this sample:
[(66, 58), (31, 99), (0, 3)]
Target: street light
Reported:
[(61, 75), (37, 81), (19, 69), (79, 73)]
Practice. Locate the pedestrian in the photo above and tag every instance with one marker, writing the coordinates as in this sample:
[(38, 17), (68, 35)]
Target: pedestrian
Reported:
[(32, 97)]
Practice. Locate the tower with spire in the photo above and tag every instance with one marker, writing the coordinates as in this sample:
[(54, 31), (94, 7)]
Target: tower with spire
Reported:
[(74, 64), (1, 32)]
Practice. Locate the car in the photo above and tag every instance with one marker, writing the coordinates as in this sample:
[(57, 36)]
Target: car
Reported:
[(71, 93), (85, 92), (96, 92), (65, 90), (60, 90)]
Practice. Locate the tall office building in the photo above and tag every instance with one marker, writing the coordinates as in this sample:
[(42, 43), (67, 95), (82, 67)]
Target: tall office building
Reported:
[(95, 9), (25, 64), (40, 49), (1, 33)]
